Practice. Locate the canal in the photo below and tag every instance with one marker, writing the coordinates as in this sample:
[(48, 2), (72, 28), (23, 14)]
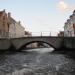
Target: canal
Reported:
[(41, 61)]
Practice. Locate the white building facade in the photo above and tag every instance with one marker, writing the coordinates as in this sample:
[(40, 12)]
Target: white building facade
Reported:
[(12, 31), (69, 27), (12, 28), (15, 28), (20, 30)]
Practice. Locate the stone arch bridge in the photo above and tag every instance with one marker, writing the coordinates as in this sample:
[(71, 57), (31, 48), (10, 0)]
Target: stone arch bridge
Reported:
[(19, 43)]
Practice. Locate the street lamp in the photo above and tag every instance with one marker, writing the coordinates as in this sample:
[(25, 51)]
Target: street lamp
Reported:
[(41, 34), (50, 33)]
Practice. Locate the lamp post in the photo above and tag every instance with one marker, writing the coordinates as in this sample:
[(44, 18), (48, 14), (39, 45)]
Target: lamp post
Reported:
[(50, 33), (41, 34)]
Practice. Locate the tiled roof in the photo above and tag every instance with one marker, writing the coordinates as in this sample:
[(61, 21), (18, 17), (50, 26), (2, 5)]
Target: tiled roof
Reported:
[(27, 33), (12, 20), (74, 11), (71, 16)]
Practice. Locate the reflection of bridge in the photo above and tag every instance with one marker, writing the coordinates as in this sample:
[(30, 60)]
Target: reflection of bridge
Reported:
[(20, 43)]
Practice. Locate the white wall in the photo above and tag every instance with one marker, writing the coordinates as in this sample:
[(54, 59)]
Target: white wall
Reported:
[(20, 30), (68, 29), (12, 31)]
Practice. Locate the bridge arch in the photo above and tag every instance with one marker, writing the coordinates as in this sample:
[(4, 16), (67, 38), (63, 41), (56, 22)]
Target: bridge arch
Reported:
[(25, 44)]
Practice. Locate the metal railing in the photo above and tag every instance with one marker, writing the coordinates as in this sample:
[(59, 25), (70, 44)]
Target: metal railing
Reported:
[(45, 33), (33, 34)]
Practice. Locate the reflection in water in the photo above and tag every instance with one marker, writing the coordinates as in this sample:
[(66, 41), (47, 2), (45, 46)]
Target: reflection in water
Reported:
[(41, 50), (36, 62)]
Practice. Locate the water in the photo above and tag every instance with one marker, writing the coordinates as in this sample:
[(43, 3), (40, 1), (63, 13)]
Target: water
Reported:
[(36, 62)]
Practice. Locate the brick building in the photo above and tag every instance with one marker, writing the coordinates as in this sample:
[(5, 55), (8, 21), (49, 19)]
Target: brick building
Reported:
[(4, 25), (69, 27)]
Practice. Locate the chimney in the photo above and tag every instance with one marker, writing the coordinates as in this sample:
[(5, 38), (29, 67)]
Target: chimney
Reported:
[(19, 22), (4, 10), (74, 12), (9, 14)]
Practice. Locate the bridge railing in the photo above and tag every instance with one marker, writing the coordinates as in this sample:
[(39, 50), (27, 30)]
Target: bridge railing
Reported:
[(33, 34), (45, 33)]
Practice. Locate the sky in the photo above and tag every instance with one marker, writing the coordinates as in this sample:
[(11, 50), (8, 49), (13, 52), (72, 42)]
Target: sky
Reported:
[(40, 15)]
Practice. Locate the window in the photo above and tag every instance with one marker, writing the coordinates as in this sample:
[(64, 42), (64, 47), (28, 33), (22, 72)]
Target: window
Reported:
[(3, 17)]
